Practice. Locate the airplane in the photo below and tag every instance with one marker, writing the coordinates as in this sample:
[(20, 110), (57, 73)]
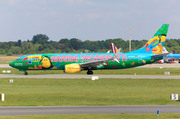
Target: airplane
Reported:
[(171, 56), (77, 62), (114, 48)]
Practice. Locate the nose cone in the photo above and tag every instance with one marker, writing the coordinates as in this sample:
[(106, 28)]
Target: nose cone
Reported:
[(11, 64)]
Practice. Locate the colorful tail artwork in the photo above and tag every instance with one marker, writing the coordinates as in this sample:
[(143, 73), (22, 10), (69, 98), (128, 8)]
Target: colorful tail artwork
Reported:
[(156, 43)]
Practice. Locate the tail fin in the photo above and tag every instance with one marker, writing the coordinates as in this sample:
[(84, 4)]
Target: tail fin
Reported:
[(156, 43), (113, 48)]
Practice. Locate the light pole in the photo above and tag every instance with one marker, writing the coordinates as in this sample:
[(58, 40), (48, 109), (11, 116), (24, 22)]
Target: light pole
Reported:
[(129, 29)]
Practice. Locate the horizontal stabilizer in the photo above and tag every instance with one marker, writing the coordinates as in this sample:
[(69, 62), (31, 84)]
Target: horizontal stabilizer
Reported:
[(160, 55)]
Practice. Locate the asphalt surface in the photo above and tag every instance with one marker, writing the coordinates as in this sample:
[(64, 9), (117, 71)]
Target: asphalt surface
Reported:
[(72, 76), (48, 110)]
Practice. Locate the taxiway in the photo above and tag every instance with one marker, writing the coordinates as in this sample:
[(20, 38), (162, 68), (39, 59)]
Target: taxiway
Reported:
[(49, 110), (76, 76)]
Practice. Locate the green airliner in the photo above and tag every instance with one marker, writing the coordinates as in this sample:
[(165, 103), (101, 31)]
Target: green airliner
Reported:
[(77, 62)]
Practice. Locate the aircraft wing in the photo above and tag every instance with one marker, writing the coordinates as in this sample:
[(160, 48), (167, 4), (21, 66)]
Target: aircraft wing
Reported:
[(92, 64), (172, 56), (99, 62)]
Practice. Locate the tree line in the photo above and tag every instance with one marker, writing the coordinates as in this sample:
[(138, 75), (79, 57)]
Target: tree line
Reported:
[(40, 44)]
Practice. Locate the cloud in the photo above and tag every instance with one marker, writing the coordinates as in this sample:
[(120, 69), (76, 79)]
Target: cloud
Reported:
[(79, 2), (176, 19), (74, 1), (13, 2), (93, 16)]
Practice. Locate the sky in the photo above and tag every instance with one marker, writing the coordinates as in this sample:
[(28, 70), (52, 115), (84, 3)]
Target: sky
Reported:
[(87, 19)]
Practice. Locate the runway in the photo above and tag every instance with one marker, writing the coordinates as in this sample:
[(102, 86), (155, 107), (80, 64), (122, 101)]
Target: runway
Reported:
[(74, 76), (49, 110)]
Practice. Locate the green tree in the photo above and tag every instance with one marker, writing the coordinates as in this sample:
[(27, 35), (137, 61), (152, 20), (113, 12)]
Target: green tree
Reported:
[(10, 44), (15, 50), (27, 46), (172, 43), (101, 44), (65, 40), (19, 43), (40, 38), (36, 47), (76, 43), (41, 41), (26, 52), (3, 45), (2, 51), (94, 46), (9, 54), (40, 47), (63, 47), (107, 43), (86, 44), (48, 46)]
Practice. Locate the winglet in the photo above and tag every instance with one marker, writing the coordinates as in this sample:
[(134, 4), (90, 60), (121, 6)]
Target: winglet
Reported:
[(115, 56)]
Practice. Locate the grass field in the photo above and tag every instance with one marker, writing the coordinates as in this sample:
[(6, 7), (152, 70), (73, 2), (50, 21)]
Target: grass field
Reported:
[(65, 92), (97, 116), (7, 59), (131, 71), (59, 92)]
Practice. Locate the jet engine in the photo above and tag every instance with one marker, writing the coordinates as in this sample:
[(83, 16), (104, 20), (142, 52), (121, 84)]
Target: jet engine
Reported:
[(72, 68)]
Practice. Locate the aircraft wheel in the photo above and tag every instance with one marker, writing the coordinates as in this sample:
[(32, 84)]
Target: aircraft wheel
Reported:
[(89, 72), (25, 73)]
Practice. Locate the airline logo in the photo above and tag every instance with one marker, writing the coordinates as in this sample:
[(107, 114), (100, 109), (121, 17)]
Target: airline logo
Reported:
[(114, 48)]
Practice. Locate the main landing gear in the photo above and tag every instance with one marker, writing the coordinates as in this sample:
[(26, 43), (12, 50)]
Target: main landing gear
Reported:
[(25, 73), (89, 72)]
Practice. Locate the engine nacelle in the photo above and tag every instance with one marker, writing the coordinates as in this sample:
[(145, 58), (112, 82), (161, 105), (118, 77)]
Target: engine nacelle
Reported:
[(72, 68)]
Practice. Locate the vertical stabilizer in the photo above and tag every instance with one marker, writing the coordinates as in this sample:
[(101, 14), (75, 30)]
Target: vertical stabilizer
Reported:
[(113, 48), (156, 43)]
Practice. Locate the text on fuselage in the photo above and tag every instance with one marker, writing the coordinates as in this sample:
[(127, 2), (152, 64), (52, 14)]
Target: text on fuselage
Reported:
[(76, 58)]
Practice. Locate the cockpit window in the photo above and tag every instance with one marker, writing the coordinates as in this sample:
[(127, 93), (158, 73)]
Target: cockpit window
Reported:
[(18, 59)]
